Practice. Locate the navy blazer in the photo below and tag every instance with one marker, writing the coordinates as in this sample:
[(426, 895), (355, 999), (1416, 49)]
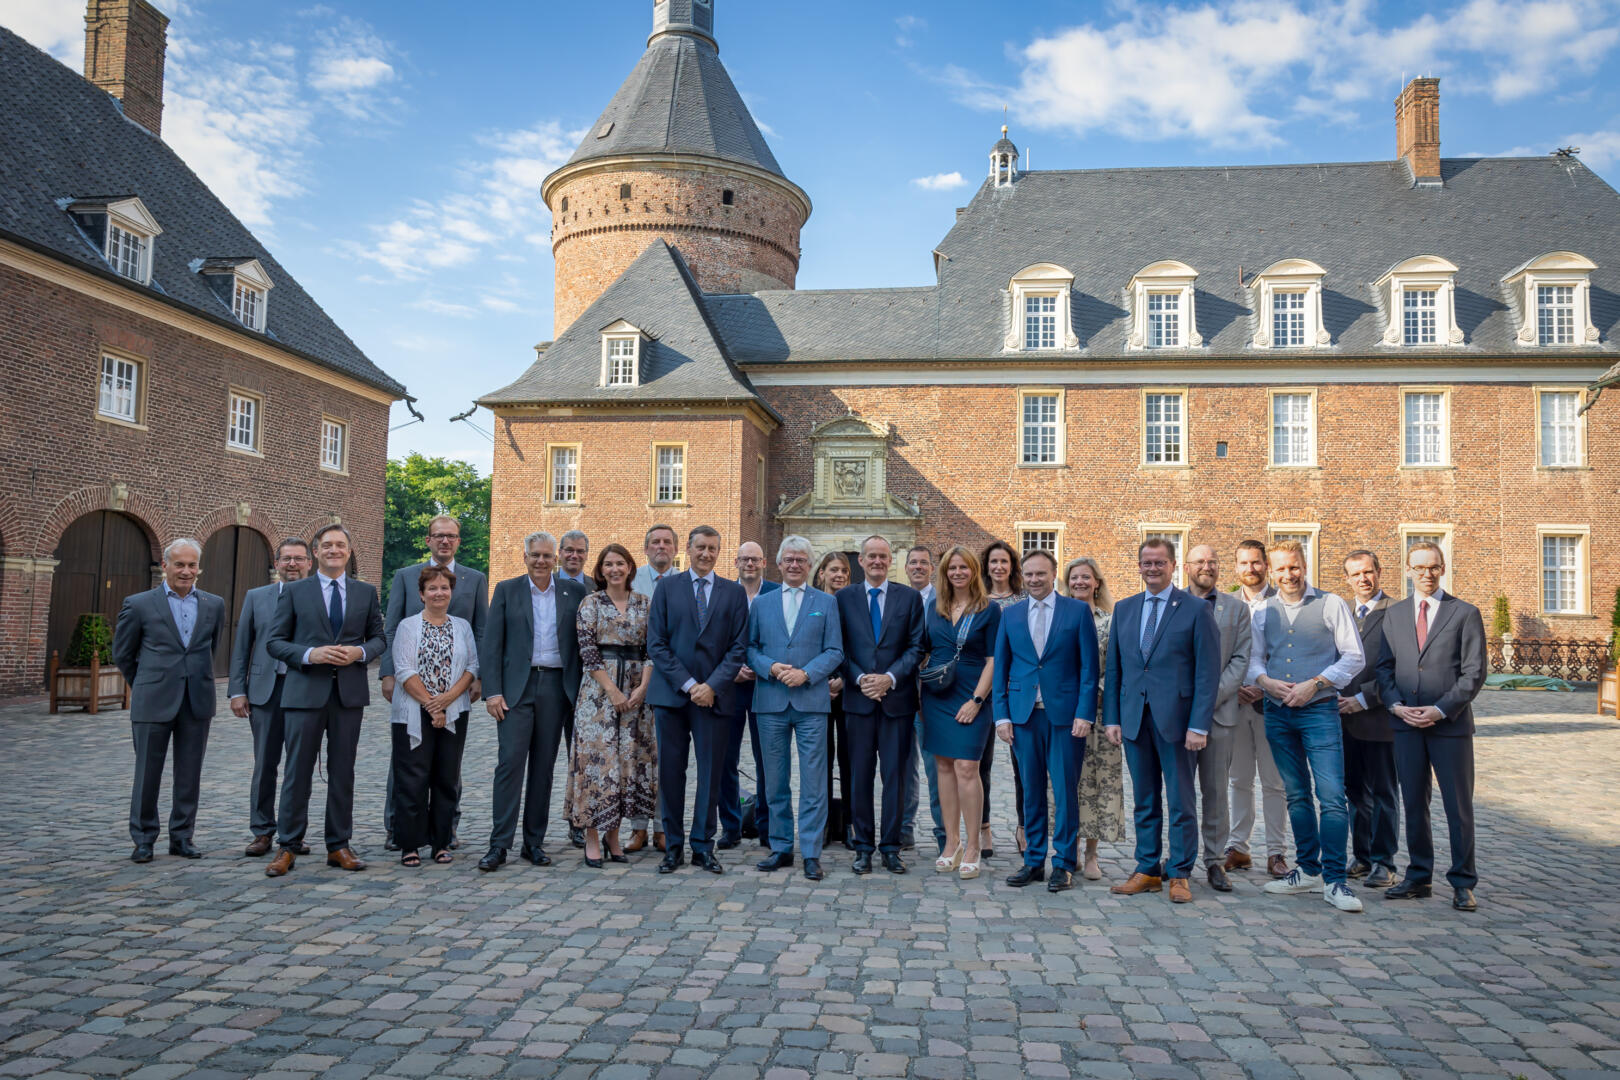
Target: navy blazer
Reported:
[(816, 647), (301, 624), (1448, 672), (162, 672), (899, 652), (742, 699), (469, 600), (680, 651), (1065, 672), (506, 649), (1180, 679)]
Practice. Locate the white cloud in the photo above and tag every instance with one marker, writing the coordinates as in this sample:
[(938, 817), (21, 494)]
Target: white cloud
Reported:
[(349, 69), (440, 307), (1598, 149), (945, 181), (57, 27), (499, 303), (908, 25)]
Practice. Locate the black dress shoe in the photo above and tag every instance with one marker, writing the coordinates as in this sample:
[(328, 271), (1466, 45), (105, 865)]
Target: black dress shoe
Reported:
[(1463, 900), (1218, 879), (671, 862), (777, 861), (1379, 877), (892, 863), (812, 869), (705, 860), (1025, 875), (142, 853), (184, 848), (908, 840), (862, 863), (1062, 880), (1410, 890), (492, 861), (726, 843), (389, 843), (576, 836), (537, 856), (1358, 869)]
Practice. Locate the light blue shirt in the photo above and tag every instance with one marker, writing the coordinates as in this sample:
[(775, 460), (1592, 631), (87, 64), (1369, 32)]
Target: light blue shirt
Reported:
[(708, 598), (566, 576), (184, 611), (792, 605), (1147, 608), (546, 652), (341, 584), (647, 579)]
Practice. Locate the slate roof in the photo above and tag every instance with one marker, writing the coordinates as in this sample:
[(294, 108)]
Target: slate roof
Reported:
[(61, 137)]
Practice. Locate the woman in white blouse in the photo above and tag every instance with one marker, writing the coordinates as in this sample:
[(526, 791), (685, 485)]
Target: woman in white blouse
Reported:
[(435, 663)]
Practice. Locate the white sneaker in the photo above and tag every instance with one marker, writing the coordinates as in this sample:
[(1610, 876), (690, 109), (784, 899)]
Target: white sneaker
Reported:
[(1340, 896), (1297, 881)]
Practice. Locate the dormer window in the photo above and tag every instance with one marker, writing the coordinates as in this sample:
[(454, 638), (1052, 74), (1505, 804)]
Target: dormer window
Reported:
[(248, 305), (1552, 297), (130, 253), (1288, 301), (121, 229), (1039, 308), (241, 285), (1162, 307), (1419, 303), (621, 355)]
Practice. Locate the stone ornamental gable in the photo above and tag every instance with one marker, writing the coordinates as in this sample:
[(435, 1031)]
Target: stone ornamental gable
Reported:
[(849, 498)]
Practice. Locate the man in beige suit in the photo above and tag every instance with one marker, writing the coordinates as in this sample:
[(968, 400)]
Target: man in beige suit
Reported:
[(1215, 759)]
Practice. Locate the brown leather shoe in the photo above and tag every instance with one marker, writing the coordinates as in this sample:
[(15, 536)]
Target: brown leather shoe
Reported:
[(260, 846), (638, 840), (658, 841), (1180, 891), (1138, 883), (1277, 866), (279, 865), (1237, 860), (344, 859)]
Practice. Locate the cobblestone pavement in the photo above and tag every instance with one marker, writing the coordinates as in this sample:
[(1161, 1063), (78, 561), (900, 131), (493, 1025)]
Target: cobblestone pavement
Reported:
[(209, 969)]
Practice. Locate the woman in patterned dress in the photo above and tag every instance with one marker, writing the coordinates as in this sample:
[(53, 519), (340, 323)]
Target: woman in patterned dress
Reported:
[(1102, 774), (613, 766), (1004, 582)]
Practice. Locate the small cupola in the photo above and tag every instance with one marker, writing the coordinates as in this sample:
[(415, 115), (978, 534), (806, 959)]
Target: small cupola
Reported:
[(1003, 161), (690, 18)]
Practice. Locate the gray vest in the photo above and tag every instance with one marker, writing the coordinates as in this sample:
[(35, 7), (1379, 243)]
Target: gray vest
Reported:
[(1301, 650)]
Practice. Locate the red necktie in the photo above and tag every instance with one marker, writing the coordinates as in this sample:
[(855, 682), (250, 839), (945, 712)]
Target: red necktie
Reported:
[(1423, 623)]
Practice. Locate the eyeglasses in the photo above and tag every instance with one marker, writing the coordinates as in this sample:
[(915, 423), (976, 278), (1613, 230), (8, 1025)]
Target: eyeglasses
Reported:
[(444, 536), (1434, 571)]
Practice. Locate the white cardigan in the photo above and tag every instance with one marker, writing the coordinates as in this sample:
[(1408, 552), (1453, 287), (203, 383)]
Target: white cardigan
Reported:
[(463, 658)]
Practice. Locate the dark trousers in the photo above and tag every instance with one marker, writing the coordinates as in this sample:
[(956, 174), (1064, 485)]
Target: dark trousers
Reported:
[(838, 758), (190, 737), (690, 730), (1369, 786), (877, 742), (305, 729), (762, 805), (1162, 781), (528, 738), (388, 799), (1450, 760), (427, 783), (730, 780), (269, 735), (1044, 751)]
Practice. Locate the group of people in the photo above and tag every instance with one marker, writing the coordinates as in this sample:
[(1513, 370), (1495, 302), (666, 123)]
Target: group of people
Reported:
[(1343, 712)]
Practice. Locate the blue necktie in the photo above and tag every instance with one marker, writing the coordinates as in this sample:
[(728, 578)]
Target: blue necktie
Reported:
[(703, 603), (334, 611), (1150, 624), (877, 614)]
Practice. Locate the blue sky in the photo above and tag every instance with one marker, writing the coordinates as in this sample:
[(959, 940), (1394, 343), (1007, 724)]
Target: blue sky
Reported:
[(391, 154)]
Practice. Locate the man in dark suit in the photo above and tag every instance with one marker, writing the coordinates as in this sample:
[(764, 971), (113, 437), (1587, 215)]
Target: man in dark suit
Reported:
[(1430, 669), (164, 644), (751, 576), (573, 554), (328, 627), (528, 659), (696, 638), (255, 689), (469, 601), (1159, 694), (1369, 742), (884, 639)]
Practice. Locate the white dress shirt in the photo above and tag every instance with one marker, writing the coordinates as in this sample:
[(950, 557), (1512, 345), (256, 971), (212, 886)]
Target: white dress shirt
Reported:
[(341, 584), (546, 653), (1419, 602), (882, 600), (1339, 619)]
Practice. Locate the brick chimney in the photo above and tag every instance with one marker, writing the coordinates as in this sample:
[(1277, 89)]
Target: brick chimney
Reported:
[(1417, 130), (124, 43)]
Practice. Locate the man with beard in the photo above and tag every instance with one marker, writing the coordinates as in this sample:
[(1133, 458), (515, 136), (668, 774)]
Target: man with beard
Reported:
[(1215, 759), (1250, 751)]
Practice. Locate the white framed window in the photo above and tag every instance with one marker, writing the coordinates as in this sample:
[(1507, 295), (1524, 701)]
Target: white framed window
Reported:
[(1287, 319), (1307, 533), (1425, 427), (1163, 320), (1162, 299), (1040, 427), (1176, 536), (1419, 303), (1040, 322), (1037, 310), (129, 252), (1555, 315), (122, 230), (1041, 536), (1293, 428), (334, 445), (247, 304), (669, 473), (564, 466), (1565, 569), (243, 419), (1419, 321), (1560, 429), (1288, 298), (621, 355), (120, 396), (1164, 427), (1435, 533), (1552, 296)]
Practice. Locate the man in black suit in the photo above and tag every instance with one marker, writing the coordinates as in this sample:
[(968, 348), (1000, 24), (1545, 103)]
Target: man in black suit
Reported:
[(884, 639), (751, 576), (1430, 669), (696, 640), (1369, 743), (164, 644), (328, 627), (528, 659)]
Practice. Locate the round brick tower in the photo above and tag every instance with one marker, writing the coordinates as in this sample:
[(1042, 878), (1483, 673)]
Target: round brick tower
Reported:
[(676, 156)]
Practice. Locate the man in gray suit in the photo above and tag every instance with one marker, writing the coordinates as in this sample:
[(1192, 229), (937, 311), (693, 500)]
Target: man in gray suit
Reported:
[(164, 645), (469, 601), (1369, 742), (255, 689), (1215, 759)]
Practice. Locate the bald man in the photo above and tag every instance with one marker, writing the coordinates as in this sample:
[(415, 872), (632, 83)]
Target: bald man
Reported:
[(750, 564)]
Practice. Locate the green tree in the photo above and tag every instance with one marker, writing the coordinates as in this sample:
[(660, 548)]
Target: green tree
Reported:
[(419, 489)]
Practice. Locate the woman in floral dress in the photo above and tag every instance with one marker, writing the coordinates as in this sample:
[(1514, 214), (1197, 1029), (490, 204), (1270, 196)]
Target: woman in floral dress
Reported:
[(1102, 774)]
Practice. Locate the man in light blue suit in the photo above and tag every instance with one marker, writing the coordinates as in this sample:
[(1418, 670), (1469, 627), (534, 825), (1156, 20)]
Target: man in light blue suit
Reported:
[(1044, 692), (795, 644), (1164, 676)]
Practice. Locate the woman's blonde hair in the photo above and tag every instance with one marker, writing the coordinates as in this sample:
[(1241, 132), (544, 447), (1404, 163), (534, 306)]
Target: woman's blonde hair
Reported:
[(945, 593), (1101, 599)]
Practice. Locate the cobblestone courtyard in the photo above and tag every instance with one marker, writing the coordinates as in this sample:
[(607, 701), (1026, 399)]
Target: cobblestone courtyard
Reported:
[(208, 969)]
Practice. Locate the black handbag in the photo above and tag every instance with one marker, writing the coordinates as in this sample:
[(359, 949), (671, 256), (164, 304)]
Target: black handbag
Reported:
[(939, 676)]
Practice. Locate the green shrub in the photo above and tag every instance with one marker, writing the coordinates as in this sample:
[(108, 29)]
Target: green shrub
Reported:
[(1614, 634), (1501, 618), (92, 636)]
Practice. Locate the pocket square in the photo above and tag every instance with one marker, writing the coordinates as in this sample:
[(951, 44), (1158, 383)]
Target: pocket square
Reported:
[(818, 614)]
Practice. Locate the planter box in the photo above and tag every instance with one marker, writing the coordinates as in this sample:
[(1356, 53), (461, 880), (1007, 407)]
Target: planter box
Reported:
[(90, 688), (1609, 691)]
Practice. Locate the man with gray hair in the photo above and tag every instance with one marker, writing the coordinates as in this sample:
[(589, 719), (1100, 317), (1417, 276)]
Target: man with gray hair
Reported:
[(573, 552), (164, 645)]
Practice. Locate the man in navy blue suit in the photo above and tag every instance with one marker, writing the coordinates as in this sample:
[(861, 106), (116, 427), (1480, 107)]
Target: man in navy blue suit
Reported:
[(1164, 674), (751, 576), (884, 638), (1045, 693), (695, 640)]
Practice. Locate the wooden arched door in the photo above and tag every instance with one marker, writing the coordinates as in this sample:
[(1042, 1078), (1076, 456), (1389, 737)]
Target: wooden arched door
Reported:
[(102, 558), (234, 560)]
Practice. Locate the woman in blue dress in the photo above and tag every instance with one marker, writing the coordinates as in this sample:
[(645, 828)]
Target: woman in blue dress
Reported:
[(957, 722)]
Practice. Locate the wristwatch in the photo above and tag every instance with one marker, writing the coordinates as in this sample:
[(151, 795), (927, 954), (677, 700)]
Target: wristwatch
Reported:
[(977, 700)]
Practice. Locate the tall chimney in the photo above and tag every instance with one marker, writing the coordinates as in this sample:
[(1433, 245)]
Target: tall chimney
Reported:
[(124, 43), (1417, 130)]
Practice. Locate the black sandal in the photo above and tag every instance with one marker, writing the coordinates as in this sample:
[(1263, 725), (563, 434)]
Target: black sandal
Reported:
[(411, 859), (443, 858)]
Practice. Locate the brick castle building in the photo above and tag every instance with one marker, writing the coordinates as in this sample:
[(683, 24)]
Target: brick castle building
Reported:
[(165, 376), (1357, 354)]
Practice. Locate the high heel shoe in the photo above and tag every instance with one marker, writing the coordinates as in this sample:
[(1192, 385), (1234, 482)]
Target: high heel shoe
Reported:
[(618, 858), (970, 870), (987, 842), (947, 864)]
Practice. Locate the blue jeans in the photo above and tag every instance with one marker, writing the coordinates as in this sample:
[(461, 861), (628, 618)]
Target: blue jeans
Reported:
[(777, 734), (1308, 745), (924, 762)]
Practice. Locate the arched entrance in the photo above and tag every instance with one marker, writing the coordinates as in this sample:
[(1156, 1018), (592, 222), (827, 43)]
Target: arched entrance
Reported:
[(234, 560), (103, 557)]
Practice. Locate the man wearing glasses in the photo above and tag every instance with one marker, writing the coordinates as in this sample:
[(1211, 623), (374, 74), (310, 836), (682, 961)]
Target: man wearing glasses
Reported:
[(751, 576)]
